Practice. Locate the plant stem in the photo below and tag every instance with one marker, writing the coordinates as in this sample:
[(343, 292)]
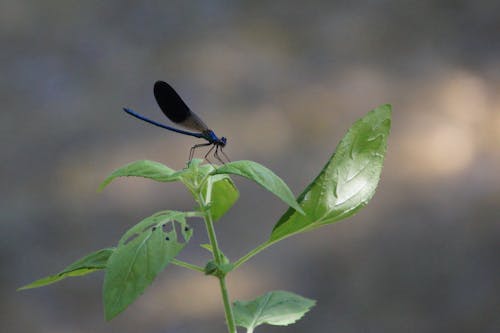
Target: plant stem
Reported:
[(209, 223), (264, 246), (187, 265), (250, 254), (228, 310)]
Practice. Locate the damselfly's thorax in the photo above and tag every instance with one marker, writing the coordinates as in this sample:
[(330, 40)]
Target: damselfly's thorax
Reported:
[(210, 136)]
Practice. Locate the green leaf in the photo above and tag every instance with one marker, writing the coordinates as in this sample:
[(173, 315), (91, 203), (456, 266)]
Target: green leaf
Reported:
[(262, 176), (207, 247), (88, 264), (146, 169), (220, 194), (347, 182), (143, 252), (280, 308)]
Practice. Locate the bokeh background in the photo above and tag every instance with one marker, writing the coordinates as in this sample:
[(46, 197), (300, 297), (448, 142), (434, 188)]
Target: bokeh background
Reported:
[(283, 80)]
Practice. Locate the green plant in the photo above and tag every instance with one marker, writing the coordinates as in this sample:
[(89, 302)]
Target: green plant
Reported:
[(345, 185)]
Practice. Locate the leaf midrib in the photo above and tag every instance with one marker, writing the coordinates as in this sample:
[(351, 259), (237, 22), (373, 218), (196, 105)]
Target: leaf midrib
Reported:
[(122, 290)]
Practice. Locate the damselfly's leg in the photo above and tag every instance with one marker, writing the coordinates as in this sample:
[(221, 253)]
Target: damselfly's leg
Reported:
[(191, 151), (208, 153), (217, 156), (224, 154)]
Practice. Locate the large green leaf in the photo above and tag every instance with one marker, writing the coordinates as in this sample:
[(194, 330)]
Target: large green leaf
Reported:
[(143, 252), (274, 308), (347, 182), (262, 176), (88, 264)]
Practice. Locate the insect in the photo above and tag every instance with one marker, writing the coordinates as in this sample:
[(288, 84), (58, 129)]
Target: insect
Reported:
[(178, 112)]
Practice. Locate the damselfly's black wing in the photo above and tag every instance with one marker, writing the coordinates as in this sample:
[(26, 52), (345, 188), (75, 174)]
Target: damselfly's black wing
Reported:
[(175, 109)]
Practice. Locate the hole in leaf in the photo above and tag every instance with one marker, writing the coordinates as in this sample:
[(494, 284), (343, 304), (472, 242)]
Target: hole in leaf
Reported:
[(168, 227)]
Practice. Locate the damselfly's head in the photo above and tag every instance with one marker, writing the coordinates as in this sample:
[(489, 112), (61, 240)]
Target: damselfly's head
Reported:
[(223, 141)]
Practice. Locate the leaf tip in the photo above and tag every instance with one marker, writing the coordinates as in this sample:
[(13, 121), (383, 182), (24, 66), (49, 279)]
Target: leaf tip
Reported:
[(386, 108), (108, 316), (105, 183), (102, 186)]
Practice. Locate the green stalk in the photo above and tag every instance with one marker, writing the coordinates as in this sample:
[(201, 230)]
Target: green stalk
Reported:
[(264, 246), (209, 223), (250, 254), (187, 265)]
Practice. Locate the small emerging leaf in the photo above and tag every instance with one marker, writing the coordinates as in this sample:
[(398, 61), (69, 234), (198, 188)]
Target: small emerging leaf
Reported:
[(220, 195), (347, 182), (143, 252), (262, 176), (194, 173), (88, 264), (146, 169), (280, 308), (207, 247)]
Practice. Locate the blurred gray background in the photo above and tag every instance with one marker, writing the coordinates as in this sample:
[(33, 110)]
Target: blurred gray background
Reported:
[(283, 80)]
